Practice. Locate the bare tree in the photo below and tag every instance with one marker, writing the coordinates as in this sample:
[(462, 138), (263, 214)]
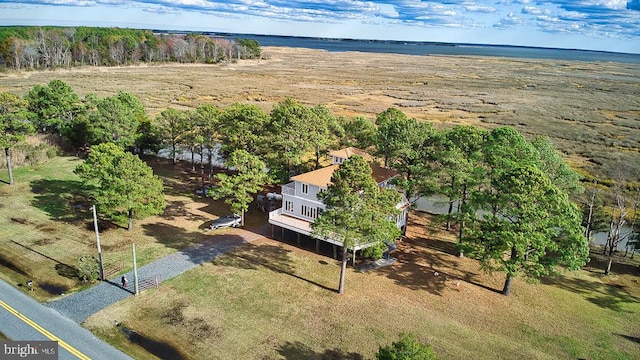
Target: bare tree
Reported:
[(16, 49), (617, 220), (632, 239), (590, 209), (43, 47), (30, 55)]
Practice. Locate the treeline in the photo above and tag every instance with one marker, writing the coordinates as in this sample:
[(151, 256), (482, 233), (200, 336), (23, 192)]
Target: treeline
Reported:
[(475, 169), (54, 47)]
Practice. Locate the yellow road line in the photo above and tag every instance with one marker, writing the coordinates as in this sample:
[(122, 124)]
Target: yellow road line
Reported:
[(44, 332)]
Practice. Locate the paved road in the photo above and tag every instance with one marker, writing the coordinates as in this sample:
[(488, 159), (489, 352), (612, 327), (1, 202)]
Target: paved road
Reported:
[(22, 318)]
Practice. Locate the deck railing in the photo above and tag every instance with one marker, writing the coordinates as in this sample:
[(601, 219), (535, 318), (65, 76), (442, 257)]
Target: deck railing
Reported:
[(289, 189)]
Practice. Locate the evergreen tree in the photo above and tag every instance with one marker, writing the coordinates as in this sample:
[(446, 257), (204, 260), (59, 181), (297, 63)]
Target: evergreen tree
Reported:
[(238, 189), (357, 212), (121, 185), (14, 125)]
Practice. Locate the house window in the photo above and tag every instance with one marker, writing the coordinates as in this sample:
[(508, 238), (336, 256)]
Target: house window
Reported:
[(288, 206), (305, 188), (309, 212)]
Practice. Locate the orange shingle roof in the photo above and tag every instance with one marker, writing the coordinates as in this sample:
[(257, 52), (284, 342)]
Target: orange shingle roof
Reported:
[(322, 177), (381, 174), (347, 152)]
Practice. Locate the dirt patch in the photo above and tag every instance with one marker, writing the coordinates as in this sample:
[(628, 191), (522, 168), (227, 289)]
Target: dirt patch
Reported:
[(197, 326), (45, 241), (47, 228)]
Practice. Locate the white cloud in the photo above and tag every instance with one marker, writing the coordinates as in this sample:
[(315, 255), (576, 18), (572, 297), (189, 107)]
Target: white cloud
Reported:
[(480, 9), (610, 19), (509, 22), (532, 10)]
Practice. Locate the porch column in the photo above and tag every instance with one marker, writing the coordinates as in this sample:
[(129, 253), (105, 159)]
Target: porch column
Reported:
[(335, 252)]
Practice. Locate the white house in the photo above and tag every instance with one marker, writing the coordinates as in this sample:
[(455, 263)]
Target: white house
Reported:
[(300, 203)]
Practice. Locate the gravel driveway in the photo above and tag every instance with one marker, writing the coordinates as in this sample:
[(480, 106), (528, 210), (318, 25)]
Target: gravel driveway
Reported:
[(79, 306)]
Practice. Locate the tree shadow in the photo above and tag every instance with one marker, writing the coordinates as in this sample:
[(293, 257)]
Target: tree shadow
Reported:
[(178, 178), (634, 339), (158, 348), (103, 225), (53, 289), (61, 268), (9, 264), (178, 209), (172, 236), (297, 350), (271, 257), (70, 272), (62, 200), (418, 269), (216, 207), (607, 296), (620, 265), (301, 241)]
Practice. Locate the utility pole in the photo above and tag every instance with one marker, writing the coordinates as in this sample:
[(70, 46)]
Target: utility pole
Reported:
[(95, 226), (135, 269)]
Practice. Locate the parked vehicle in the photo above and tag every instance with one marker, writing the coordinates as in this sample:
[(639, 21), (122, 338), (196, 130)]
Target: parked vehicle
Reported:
[(225, 221), (204, 191)]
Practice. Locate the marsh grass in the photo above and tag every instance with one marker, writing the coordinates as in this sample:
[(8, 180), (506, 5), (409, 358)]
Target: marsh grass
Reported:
[(270, 300), (589, 110)]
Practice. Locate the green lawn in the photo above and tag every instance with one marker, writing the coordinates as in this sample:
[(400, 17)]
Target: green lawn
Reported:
[(46, 224), (269, 300)]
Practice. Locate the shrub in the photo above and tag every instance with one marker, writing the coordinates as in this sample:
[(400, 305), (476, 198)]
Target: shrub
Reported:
[(88, 268), (408, 348)]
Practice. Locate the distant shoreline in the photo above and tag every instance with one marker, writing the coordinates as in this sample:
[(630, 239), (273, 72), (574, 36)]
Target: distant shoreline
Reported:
[(435, 48)]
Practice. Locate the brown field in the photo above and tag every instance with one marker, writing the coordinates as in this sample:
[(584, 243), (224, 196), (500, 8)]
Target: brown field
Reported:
[(591, 110), (272, 300)]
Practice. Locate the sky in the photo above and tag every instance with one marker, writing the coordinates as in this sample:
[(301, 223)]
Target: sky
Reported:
[(606, 25)]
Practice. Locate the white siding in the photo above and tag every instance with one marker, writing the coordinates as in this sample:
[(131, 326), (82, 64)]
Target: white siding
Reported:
[(336, 160), (292, 205), (312, 194)]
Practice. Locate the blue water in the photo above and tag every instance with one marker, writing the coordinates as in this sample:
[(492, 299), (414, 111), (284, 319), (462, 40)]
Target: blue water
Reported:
[(433, 48)]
